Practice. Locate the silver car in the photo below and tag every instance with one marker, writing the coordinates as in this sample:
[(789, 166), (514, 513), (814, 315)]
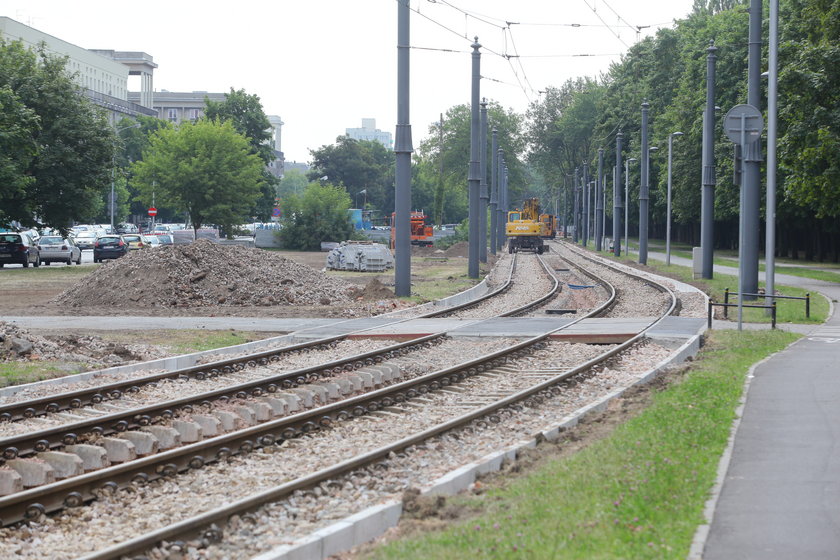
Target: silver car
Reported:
[(85, 239), (55, 248)]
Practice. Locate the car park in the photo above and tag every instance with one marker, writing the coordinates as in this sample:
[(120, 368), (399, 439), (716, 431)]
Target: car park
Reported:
[(54, 248), (109, 247), (85, 239), (18, 248)]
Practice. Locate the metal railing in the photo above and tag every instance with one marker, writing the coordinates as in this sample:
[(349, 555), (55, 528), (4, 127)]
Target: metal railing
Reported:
[(726, 306), (807, 299)]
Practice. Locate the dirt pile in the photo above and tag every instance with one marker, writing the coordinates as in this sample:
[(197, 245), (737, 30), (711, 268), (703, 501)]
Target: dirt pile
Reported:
[(18, 344), (205, 274)]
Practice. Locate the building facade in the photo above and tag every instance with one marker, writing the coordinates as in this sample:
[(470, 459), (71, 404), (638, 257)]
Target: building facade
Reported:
[(103, 79), (370, 132)]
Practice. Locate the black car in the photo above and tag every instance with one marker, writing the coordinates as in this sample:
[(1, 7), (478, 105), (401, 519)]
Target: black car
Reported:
[(109, 247), (18, 248)]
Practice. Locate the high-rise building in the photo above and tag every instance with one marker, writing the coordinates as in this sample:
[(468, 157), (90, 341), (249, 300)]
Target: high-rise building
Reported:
[(370, 132)]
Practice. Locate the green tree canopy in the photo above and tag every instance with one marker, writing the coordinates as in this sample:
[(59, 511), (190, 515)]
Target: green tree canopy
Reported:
[(57, 148), (246, 113), (206, 169), (319, 214)]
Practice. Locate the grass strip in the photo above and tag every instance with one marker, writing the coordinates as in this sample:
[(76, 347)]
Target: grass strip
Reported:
[(638, 493)]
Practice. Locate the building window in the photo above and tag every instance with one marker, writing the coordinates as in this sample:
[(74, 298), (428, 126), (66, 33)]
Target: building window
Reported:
[(193, 115), (173, 115)]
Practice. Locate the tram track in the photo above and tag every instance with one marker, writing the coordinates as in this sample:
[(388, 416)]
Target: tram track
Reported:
[(402, 392)]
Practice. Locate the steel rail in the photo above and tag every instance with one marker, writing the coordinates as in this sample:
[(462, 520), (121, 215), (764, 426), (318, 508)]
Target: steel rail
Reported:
[(205, 524), (135, 418)]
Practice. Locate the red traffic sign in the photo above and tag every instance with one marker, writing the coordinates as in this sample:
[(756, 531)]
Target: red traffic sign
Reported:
[(152, 211)]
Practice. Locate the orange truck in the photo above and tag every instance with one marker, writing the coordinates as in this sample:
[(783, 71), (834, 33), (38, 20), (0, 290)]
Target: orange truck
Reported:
[(421, 234)]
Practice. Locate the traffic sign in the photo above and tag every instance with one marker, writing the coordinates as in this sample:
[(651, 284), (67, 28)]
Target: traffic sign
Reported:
[(152, 211), (752, 119)]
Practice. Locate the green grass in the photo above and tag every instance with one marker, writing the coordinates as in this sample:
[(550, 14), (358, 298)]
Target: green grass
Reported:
[(18, 373), (639, 493), (190, 341), (800, 271), (440, 280)]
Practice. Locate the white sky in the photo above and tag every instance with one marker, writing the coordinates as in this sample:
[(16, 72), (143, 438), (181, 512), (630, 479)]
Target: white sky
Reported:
[(323, 65)]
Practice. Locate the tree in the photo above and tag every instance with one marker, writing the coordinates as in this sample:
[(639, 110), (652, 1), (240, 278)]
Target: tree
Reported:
[(58, 147), (293, 182), (319, 214), (206, 169), (246, 113), (358, 165)]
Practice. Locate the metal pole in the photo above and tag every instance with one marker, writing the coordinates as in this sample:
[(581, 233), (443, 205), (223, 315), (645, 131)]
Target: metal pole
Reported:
[(617, 203), (474, 179), (494, 192), (752, 156), (501, 210), (483, 195), (741, 227), (627, 203), (575, 206), (585, 192), (599, 204), (644, 188), (707, 213), (772, 83), (668, 211), (402, 149)]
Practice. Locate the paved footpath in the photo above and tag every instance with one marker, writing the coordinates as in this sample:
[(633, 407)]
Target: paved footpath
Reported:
[(780, 497)]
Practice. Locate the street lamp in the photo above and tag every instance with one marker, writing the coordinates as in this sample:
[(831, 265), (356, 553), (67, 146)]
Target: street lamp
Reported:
[(627, 201), (112, 202), (668, 222)]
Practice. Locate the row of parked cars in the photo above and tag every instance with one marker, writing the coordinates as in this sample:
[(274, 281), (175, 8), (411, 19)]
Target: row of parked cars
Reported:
[(27, 247)]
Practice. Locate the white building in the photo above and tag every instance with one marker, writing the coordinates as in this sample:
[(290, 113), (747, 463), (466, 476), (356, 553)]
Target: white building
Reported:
[(103, 75), (370, 132)]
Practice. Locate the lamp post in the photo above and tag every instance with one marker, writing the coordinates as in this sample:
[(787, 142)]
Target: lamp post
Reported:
[(627, 202), (668, 211)]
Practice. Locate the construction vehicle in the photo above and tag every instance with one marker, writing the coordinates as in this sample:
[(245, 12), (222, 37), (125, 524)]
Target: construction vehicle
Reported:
[(524, 230), (550, 221), (421, 234)]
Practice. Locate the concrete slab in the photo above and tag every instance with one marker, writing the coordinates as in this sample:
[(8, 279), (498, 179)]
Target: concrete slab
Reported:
[(33, 472), (167, 437), (190, 432), (93, 457), (118, 450), (210, 425), (229, 420), (144, 443), (10, 481), (64, 464)]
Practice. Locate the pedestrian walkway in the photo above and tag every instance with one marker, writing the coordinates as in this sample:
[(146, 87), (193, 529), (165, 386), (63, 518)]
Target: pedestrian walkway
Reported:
[(779, 496)]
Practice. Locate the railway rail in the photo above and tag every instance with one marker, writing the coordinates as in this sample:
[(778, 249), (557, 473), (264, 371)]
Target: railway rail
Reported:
[(75, 491)]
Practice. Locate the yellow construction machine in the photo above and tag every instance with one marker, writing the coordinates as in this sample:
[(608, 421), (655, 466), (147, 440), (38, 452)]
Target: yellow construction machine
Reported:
[(524, 230)]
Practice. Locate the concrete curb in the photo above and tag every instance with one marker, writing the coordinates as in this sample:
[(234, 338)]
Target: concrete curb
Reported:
[(374, 521)]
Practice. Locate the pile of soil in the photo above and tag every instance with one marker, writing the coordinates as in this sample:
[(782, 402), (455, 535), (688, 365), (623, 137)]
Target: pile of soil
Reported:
[(18, 344), (204, 274)]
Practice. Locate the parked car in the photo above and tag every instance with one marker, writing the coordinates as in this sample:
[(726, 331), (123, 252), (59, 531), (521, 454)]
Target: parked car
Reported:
[(166, 239), (152, 241), (126, 228), (54, 248), (18, 248), (109, 247), (85, 239), (135, 241)]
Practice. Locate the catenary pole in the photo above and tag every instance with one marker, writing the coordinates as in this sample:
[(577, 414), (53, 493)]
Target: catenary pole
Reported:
[(644, 188), (483, 194), (474, 178), (668, 203), (707, 203), (494, 192), (599, 204), (402, 150), (752, 157), (772, 101), (617, 204)]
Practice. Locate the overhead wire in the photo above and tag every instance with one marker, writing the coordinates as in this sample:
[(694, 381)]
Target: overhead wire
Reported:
[(617, 36)]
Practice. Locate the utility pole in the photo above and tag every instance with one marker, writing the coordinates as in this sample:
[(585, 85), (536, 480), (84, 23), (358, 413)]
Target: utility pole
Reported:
[(585, 192), (402, 149), (575, 207), (501, 220), (772, 84), (474, 178)]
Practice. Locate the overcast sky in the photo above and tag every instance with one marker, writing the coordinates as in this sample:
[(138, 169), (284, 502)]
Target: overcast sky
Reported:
[(323, 65)]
